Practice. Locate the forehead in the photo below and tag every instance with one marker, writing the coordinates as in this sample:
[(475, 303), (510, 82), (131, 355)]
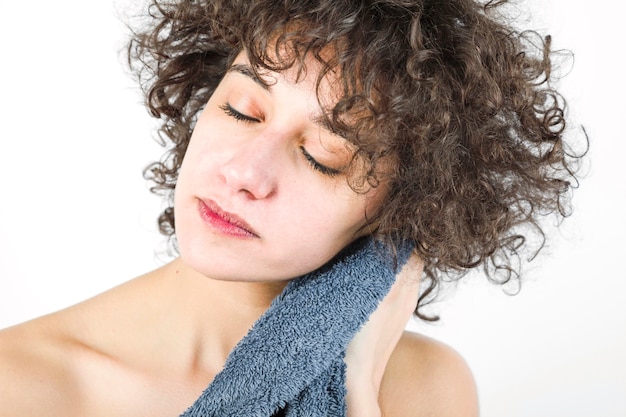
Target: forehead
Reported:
[(309, 76), (307, 72)]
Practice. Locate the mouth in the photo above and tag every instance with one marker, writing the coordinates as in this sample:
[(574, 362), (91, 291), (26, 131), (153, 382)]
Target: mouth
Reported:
[(224, 222)]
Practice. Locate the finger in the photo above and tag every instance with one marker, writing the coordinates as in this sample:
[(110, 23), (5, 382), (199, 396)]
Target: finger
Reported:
[(403, 294)]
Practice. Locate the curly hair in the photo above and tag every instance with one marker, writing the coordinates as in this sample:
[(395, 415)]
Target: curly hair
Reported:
[(459, 100)]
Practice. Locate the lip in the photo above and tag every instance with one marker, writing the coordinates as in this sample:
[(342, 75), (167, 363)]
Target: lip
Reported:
[(224, 222)]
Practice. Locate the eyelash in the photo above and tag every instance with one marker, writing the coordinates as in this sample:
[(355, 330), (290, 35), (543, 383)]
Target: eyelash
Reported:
[(230, 111), (240, 117), (331, 172)]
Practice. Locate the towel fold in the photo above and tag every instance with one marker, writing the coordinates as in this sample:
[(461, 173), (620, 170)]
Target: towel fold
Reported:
[(292, 358)]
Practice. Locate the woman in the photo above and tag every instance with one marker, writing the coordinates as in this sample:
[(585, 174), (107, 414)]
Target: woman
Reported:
[(304, 127)]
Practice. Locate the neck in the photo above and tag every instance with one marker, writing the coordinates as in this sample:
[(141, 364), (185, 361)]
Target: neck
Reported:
[(208, 317)]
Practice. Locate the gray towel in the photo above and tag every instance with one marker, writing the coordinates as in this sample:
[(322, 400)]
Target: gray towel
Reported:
[(291, 361)]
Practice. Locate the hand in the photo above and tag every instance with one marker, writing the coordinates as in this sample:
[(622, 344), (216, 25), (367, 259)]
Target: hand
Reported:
[(368, 353)]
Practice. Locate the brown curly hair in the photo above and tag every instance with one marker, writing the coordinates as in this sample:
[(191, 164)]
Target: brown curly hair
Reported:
[(461, 102)]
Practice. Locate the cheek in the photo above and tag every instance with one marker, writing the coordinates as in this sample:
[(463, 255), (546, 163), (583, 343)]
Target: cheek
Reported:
[(198, 161), (332, 218), (362, 215)]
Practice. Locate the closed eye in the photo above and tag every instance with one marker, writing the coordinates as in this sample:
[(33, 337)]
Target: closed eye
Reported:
[(237, 115), (331, 172)]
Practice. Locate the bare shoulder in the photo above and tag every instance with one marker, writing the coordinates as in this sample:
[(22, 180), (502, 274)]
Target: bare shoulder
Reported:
[(425, 377), (34, 378)]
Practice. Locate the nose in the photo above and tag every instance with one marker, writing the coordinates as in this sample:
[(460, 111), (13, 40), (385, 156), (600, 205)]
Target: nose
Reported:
[(251, 168)]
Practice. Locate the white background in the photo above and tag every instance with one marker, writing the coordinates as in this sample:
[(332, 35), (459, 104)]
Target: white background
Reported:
[(76, 217)]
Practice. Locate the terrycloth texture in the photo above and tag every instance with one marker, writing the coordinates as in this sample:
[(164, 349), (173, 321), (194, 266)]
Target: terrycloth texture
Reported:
[(293, 356)]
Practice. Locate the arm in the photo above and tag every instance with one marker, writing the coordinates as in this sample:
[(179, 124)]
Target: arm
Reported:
[(34, 380)]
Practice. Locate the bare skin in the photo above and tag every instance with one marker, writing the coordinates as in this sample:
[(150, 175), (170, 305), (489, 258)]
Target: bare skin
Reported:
[(150, 346), (260, 198)]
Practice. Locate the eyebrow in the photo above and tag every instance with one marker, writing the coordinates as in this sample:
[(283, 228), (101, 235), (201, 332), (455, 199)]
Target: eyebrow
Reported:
[(323, 122), (247, 70)]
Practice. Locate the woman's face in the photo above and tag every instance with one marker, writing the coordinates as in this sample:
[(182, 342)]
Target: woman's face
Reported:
[(261, 194)]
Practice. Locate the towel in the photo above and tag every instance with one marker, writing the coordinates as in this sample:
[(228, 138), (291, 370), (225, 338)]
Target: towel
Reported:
[(291, 361)]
